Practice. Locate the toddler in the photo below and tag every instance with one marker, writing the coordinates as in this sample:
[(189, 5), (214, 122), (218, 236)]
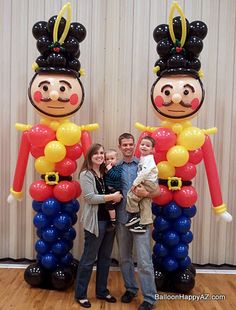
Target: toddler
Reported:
[(112, 179), (139, 209)]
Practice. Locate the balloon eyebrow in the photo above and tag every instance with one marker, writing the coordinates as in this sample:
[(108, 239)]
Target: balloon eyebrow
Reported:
[(191, 87), (167, 85), (67, 83), (43, 82)]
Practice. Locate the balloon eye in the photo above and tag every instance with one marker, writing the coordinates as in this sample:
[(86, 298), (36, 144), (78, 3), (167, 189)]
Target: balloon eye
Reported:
[(45, 88), (186, 92), (62, 88), (167, 92)]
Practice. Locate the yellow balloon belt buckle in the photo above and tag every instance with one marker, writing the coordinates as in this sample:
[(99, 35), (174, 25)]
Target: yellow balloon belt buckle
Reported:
[(52, 178), (174, 183)]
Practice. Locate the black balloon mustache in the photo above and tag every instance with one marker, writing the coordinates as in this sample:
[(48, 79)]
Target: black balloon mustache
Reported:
[(183, 104), (59, 99)]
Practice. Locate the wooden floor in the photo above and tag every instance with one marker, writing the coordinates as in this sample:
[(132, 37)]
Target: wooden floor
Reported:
[(15, 294)]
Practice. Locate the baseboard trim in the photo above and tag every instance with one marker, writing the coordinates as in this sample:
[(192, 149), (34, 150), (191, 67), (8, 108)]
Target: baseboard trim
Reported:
[(198, 270)]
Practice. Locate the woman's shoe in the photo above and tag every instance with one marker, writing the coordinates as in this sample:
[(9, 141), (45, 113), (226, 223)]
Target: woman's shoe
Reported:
[(84, 303), (108, 298)]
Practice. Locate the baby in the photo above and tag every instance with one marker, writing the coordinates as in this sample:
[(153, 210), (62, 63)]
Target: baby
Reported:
[(139, 209), (112, 179)]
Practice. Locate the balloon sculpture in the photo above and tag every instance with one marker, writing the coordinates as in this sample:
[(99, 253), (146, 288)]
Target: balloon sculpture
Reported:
[(56, 93), (177, 95)]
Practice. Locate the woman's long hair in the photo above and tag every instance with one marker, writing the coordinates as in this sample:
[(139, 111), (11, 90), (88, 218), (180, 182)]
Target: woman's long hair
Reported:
[(87, 164)]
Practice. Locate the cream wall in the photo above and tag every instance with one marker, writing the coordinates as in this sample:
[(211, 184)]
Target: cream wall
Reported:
[(118, 56)]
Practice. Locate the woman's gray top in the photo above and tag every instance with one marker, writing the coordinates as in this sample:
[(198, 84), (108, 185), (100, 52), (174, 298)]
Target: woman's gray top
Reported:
[(92, 200)]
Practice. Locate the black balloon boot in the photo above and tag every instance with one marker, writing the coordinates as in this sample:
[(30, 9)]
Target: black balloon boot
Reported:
[(183, 281)]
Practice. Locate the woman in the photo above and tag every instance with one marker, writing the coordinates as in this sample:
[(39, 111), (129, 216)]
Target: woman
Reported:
[(98, 241)]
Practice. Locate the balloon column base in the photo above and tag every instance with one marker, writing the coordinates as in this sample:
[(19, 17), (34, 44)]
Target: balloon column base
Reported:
[(181, 281), (59, 279)]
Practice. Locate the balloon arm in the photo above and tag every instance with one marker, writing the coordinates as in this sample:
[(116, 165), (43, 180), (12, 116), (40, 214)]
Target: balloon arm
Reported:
[(212, 176), (86, 141), (142, 127), (21, 165), (89, 127)]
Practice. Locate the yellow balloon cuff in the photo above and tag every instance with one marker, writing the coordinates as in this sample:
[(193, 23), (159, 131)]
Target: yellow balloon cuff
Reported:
[(17, 195), (220, 209)]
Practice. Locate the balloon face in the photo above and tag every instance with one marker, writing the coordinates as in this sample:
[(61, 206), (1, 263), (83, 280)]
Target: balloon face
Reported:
[(177, 96), (56, 95)]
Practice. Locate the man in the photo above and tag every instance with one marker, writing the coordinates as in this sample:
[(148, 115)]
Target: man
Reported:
[(126, 238)]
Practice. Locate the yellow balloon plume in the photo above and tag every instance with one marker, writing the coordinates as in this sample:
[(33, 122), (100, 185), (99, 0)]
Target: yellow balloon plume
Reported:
[(175, 6), (66, 7)]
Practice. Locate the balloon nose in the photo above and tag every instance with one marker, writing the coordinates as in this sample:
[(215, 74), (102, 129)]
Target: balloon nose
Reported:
[(54, 95), (176, 98)]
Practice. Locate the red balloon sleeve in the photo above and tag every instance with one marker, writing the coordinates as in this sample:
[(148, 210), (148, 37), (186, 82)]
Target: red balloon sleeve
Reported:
[(212, 172), (86, 141), (21, 163)]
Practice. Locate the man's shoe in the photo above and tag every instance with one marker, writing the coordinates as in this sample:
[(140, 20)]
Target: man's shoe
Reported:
[(108, 298), (128, 297), (84, 303), (133, 220), (139, 228), (145, 306)]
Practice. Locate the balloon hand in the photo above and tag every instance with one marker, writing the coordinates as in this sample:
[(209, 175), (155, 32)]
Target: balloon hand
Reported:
[(225, 216), (11, 199)]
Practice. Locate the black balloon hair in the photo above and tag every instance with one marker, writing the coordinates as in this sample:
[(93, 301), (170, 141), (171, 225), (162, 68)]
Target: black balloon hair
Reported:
[(56, 57), (175, 59)]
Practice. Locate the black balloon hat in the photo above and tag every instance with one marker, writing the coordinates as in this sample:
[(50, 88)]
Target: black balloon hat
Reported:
[(58, 43), (179, 45)]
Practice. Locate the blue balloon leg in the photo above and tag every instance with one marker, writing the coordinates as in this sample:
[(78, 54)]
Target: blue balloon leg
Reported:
[(172, 236), (54, 221)]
